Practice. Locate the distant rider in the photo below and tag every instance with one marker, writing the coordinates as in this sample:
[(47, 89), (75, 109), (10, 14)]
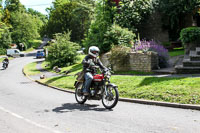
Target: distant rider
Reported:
[(90, 65), (6, 61)]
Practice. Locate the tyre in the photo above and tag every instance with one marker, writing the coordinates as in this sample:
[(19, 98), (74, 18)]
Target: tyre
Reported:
[(80, 98), (110, 100)]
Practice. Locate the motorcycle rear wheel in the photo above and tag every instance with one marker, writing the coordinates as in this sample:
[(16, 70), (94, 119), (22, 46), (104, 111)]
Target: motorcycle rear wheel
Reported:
[(80, 98), (110, 100)]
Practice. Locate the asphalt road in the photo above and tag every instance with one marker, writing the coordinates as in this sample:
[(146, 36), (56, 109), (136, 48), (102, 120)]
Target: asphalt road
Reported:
[(28, 107)]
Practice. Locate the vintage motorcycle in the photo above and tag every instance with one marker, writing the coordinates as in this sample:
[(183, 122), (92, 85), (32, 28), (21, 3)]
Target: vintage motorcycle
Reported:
[(100, 89), (5, 65)]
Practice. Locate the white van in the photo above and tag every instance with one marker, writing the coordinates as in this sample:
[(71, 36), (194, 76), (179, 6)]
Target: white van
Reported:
[(15, 53)]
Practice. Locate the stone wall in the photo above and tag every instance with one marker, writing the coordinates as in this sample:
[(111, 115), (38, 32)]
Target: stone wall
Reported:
[(144, 62)]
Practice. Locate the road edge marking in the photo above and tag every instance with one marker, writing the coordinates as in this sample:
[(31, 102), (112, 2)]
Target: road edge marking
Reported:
[(28, 121)]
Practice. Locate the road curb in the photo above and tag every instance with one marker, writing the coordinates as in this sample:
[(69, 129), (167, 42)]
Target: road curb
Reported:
[(130, 100)]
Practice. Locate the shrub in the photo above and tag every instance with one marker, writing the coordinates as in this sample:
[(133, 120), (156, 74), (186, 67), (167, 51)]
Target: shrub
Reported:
[(34, 43), (119, 55), (62, 52), (2, 51), (190, 35), (145, 46), (118, 36)]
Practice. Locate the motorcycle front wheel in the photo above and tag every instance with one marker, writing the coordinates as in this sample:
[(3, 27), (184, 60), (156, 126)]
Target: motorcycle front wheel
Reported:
[(80, 98), (110, 99)]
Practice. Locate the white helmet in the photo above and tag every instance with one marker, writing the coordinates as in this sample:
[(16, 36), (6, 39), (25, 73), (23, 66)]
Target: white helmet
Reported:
[(93, 51)]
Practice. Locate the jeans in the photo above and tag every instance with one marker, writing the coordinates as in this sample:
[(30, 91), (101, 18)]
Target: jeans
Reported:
[(88, 79)]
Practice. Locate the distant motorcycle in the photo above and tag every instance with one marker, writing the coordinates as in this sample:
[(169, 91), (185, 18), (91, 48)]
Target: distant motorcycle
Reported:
[(5, 65), (100, 89)]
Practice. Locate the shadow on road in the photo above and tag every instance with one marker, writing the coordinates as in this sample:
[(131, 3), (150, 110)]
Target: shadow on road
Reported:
[(69, 107)]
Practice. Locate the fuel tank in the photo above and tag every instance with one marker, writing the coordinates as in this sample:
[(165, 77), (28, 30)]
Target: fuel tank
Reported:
[(98, 77)]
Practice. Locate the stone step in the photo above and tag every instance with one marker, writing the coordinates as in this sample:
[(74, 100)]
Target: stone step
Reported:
[(188, 63), (180, 69), (193, 56), (198, 50)]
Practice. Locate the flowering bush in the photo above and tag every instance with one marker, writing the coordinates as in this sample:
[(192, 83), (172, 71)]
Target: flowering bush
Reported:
[(145, 46)]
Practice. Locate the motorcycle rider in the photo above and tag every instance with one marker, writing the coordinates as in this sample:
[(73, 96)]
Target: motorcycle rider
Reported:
[(90, 65), (6, 61)]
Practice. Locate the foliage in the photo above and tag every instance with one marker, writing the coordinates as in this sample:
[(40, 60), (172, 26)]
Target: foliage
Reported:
[(62, 52), (23, 24), (24, 27), (2, 51), (153, 46), (174, 13), (33, 43), (119, 55), (118, 36), (102, 21), (190, 35), (133, 12), (71, 16), (14, 5), (5, 36)]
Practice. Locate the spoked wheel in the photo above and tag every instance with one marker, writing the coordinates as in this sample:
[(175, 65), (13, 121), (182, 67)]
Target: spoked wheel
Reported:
[(110, 100), (80, 98)]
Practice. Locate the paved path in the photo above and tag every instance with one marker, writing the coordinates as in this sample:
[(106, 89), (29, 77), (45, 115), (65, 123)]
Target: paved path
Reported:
[(43, 71)]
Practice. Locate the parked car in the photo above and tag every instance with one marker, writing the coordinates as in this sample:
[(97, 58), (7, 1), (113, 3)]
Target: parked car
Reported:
[(40, 54), (14, 53)]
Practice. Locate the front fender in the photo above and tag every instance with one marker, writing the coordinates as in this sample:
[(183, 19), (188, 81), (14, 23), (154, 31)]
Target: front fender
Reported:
[(112, 85)]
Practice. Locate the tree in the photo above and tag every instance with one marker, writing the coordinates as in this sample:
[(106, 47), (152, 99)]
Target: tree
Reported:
[(5, 36), (103, 19), (175, 12), (133, 12), (24, 27), (69, 16), (14, 5)]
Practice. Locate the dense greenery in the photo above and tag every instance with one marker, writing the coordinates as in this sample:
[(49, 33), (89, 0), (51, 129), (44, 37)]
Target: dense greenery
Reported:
[(118, 36), (190, 35), (19, 25), (63, 51), (102, 22), (133, 12), (119, 55), (175, 14), (69, 15)]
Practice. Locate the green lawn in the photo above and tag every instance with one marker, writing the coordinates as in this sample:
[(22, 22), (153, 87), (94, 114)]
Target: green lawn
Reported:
[(178, 90), (30, 69), (176, 52), (73, 68)]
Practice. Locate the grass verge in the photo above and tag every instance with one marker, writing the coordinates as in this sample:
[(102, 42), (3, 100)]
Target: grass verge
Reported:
[(30, 69), (167, 89)]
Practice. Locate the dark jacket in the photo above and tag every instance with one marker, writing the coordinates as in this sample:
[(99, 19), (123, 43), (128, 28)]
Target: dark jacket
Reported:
[(6, 60), (89, 62)]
